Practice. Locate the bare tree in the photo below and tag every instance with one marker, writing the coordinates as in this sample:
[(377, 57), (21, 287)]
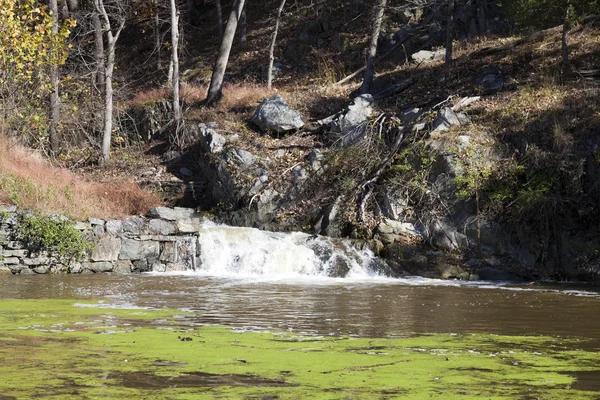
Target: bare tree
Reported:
[(98, 50), (272, 48), (215, 90), (219, 18), (157, 41), (449, 30), (243, 26), (54, 96), (482, 16), (118, 12), (175, 61), (367, 85), (565, 44)]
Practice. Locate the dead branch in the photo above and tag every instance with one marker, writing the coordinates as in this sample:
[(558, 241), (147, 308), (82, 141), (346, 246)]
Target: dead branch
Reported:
[(366, 186)]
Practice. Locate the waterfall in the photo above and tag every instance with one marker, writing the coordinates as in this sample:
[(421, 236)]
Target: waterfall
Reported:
[(235, 251)]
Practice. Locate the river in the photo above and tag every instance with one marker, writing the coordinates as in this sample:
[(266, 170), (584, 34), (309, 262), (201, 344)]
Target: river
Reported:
[(370, 308)]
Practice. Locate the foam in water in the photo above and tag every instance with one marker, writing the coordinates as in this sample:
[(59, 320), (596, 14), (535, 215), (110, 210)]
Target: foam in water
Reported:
[(249, 252)]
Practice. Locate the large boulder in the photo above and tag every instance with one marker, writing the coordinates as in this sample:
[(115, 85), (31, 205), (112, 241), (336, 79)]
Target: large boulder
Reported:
[(274, 115), (349, 126), (210, 140), (426, 56), (447, 118)]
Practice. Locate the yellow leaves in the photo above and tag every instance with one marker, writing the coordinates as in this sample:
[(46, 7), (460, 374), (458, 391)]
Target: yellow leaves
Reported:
[(29, 47)]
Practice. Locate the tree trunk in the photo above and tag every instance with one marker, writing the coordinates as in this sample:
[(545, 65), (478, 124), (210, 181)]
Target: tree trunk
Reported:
[(157, 40), (175, 59), (215, 90), (109, 67), (108, 99), (219, 18), (367, 85), (73, 5), (565, 44), (243, 28), (482, 16), (98, 50), (449, 30), (272, 48), (54, 97)]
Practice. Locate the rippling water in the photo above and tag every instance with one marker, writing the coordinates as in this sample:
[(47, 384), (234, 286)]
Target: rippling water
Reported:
[(372, 308)]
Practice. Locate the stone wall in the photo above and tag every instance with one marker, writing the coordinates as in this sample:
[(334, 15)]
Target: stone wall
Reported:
[(165, 240)]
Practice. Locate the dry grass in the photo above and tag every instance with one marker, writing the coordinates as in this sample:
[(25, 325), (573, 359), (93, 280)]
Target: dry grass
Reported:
[(31, 182)]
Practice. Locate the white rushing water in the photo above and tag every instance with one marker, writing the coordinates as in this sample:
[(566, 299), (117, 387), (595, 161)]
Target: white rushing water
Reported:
[(248, 252)]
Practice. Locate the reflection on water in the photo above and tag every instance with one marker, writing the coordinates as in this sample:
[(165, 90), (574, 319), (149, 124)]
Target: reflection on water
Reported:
[(327, 306)]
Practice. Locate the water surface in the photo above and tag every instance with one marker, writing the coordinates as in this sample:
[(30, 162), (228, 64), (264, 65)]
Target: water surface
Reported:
[(325, 306)]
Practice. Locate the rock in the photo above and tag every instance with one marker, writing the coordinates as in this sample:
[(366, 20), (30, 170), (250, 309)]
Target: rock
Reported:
[(280, 153), (244, 158), (393, 205), (36, 261), (210, 141), (8, 209), (445, 236), (350, 125), (97, 221), (258, 185), (99, 267), (133, 225), (132, 249), (359, 111), (123, 267), (171, 214), (107, 249), (447, 118), (426, 56), (299, 174), (274, 115), (4, 270), (114, 227), (491, 79), (82, 226), (169, 253), (26, 271), (398, 228), (141, 266), (494, 274), (314, 158), (329, 223), (42, 269), (186, 172), (410, 115), (13, 253), (14, 245), (59, 269), (191, 225), (10, 261), (160, 227), (389, 238), (75, 268), (450, 271), (98, 230)]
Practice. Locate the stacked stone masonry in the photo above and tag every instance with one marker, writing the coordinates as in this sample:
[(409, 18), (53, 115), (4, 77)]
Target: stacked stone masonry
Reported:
[(165, 240)]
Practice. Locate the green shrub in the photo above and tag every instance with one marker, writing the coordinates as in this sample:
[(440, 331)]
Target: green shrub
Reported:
[(59, 237)]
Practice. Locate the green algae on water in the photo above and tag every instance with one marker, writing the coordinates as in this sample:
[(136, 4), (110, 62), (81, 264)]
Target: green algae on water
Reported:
[(59, 349)]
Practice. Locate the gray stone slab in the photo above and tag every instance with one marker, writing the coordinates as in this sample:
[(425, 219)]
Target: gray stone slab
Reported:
[(102, 266), (107, 249), (132, 249)]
